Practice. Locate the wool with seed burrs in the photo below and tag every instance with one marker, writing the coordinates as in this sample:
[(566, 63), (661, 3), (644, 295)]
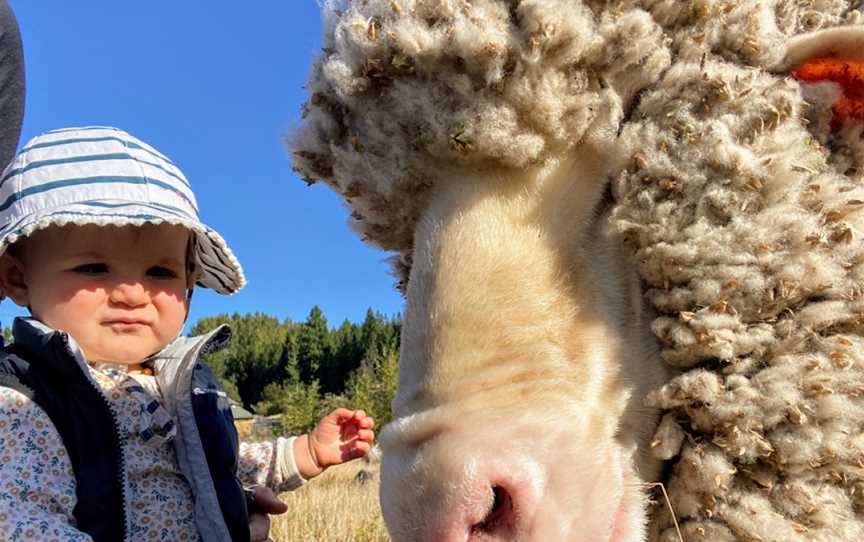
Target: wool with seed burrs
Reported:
[(743, 204)]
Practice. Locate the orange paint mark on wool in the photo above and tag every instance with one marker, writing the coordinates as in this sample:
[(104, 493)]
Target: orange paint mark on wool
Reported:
[(848, 74)]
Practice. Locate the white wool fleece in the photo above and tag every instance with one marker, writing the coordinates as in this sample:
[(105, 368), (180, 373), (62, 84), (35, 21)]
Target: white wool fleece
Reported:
[(406, 87), (744, 210), (746, 215)]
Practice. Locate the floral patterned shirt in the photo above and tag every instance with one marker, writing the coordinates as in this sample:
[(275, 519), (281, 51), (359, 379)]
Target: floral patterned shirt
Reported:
[(37, 483)]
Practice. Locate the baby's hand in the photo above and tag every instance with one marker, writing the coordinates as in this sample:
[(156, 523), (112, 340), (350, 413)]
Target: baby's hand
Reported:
[(340, 436)]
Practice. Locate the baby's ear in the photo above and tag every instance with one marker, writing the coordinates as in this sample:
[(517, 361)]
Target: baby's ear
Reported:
[(193, 267), (830, 66), (12, 281), (193, 273)]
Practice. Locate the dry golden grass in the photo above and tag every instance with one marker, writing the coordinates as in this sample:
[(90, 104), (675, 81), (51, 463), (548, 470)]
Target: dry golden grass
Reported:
[(336, 508), (333, 508)]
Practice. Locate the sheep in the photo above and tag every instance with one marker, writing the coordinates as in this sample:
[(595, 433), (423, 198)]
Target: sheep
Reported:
[(555, 178)]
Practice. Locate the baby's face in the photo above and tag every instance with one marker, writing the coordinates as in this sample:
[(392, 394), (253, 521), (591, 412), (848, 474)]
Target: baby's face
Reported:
[(119, 291)]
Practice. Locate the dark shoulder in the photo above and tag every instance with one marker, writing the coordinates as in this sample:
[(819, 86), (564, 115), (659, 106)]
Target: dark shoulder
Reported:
[(15, 370), (204, 378), (12, 358)]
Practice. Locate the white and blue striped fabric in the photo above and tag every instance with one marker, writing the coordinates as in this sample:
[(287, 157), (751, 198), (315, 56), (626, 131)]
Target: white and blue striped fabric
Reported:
[(104, 176)]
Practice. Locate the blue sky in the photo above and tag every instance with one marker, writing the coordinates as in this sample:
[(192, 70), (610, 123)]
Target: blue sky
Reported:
[(215, 85)]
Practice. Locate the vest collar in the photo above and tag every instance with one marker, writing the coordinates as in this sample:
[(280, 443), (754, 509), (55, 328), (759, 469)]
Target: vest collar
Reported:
[(58, 350), (46, 346)]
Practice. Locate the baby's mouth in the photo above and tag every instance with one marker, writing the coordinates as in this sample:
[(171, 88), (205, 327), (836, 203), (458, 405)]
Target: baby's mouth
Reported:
[(126, 322)]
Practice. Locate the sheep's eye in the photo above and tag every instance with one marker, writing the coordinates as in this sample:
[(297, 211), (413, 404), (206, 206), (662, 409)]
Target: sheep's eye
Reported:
[(91, 269), (161, 272)]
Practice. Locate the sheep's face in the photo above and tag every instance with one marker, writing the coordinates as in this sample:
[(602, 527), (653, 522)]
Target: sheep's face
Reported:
[(526, 354), (525, 360)]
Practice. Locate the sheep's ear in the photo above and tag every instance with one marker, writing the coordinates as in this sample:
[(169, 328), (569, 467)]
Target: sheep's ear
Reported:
[(843, 43), (831, 65)]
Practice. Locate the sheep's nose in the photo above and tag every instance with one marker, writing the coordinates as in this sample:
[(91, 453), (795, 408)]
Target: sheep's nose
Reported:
[(499, 520), (490, 502)]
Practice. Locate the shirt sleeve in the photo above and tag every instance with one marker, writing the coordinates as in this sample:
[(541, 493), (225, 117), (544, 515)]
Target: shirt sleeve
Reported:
[(37, 483), (270, 463)]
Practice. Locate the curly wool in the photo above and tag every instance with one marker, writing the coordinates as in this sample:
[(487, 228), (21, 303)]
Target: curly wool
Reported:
[(745, 212), (406, 88), (744, 209)]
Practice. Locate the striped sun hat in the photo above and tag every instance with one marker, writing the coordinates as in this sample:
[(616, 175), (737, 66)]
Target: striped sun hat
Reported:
[(104, 176)]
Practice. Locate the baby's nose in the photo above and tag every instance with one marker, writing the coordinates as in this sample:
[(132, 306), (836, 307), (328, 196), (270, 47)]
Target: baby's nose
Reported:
[(130, 293)]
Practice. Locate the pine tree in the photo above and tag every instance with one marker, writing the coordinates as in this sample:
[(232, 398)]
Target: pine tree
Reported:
[(303, 370), (297, 403), (346, 353), (373, 386), (289, 360), (313, 345), (374, 330)]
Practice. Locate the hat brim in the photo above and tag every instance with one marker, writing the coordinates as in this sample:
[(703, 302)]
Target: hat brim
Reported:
[(219, 269)]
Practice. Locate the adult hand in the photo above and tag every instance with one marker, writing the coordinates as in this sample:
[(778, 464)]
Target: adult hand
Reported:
[(263, 503)]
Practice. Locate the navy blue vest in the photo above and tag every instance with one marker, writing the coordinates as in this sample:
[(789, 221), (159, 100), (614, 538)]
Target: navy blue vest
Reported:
[(43, 368)]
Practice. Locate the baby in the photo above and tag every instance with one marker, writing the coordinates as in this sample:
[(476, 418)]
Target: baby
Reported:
[(111, 426)]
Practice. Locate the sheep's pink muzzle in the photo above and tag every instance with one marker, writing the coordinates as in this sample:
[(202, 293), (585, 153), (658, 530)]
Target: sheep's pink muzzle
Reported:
[(449, 490)]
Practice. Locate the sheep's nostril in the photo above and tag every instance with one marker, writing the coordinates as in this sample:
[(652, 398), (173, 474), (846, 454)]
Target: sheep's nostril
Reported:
[(500, 515)]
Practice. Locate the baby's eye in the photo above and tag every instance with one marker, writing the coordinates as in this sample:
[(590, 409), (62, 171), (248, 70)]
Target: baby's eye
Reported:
[(161, 272), (91, 269)]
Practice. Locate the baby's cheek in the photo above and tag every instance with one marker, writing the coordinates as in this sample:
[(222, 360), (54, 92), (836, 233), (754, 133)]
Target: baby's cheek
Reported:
[(175, 314), (172, 310), (67, 307)]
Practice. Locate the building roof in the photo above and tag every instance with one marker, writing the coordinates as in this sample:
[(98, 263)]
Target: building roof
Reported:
[(239, 412)]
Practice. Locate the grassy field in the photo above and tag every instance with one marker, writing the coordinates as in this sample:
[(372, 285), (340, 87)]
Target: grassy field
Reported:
[(335, 507)]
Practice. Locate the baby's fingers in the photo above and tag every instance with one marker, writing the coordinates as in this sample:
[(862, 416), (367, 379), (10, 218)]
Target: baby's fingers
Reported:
[(360, 448), (366, 422), (358, 416), (342, 415), (365, 435), (354, 450)]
